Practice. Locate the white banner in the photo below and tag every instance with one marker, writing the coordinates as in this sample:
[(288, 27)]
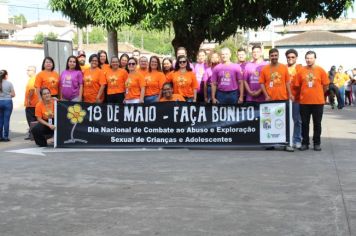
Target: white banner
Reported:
[(273, 125)]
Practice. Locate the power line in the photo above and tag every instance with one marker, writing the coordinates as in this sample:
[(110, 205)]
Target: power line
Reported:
[(40, 8)]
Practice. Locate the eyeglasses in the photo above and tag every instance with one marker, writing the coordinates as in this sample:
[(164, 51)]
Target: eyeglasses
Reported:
[(131, 64), (182, 62)]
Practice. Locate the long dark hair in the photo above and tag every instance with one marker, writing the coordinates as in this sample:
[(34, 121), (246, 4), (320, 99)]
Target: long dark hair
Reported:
[(106, 60), (170, 69), (176, 67), (158, 65), (127, 56), (77, 66), (44, 60), (3, 74)]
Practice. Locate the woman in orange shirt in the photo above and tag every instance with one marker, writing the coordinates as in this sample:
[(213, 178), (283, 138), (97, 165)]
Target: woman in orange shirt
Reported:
[(154, 80), (44, 113), (124, 58), (167, 66), (115, 80), (103, 61), (134, 85), (184, 80), (94, 82), (47, 78)]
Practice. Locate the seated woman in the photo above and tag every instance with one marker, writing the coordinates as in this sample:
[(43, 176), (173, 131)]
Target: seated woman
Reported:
[(168, 96), (44, 113)]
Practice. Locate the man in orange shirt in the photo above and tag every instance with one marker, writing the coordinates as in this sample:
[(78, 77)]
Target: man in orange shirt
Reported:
[(274, 79), (313, 82), (31, 98), (293, 67)]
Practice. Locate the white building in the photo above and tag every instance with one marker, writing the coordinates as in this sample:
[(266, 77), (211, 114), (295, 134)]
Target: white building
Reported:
[(63, 29), (331, 48)]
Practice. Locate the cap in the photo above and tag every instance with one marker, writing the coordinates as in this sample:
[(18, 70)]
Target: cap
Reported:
[(81, 53)]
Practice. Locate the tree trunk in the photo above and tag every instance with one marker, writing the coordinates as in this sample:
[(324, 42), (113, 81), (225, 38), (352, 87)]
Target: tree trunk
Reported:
[(191, 39), (80, 38), (112, 43)]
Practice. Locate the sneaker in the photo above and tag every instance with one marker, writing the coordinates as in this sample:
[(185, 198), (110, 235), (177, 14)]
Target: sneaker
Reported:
[(27, 138), (317, 147), (298, 145), (289, 149), (6, 140), (304, 147)]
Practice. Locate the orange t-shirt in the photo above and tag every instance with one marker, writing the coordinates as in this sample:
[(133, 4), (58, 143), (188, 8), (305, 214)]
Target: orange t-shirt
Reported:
[(105, 68), (292, 71), (311, 82), (174, 98), (31, 102), (169, 74), (154, 82), (143, 72), (275, 79), (115, 81), (183, 83), (48, 79), (133, 85), (93, 79), (44, 111)]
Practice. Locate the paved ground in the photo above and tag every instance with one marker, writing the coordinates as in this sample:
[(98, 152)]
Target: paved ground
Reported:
[(182, 192)]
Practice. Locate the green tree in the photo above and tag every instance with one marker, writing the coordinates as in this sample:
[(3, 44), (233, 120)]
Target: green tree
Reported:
[(40, 37), (194, 21), (110, 14), (18, 20)]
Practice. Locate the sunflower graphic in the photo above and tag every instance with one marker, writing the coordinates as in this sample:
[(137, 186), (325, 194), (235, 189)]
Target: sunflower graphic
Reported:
[(310, 77), (112, 80), (181, 81), (276, 78), (53, 82), (76, 115), (88, 80)]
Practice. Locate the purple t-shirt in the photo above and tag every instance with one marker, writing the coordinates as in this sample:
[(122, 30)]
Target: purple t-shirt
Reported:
[(226, 76), (251, 76), (70, 82), (207, 75), (200, 69)]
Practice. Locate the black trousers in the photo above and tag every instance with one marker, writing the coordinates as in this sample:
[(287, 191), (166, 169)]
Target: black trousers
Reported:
[(30, 115), (316, 111), (40, 132), (117, 98), (334, 91)]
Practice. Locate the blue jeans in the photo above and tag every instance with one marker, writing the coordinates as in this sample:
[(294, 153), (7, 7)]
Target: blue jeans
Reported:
[(297, 130), (230, 97), (151, 99), (342, 95), (5, 114)]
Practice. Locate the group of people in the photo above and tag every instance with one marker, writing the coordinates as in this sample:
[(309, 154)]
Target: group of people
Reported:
[(342, 86), (212, 79)]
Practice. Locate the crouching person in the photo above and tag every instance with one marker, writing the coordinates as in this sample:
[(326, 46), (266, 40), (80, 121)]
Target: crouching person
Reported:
[(44, 113)]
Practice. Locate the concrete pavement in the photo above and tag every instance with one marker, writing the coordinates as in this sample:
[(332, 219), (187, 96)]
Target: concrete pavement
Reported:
[(183, 192)]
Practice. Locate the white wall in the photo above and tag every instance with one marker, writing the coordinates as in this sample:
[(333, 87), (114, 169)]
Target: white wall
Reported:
[(16, 60), (327, 56)]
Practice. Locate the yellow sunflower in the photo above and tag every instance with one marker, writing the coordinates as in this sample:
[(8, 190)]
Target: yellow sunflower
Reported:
[(76, 114)]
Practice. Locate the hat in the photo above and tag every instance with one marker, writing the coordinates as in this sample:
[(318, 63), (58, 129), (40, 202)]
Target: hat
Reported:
[(81, 53)]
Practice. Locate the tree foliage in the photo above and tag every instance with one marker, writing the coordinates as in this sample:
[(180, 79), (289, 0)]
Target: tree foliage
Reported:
[(18, 20), (40, 37), (196, 20)]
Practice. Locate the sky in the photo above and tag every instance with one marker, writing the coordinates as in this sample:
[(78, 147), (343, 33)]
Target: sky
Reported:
[(38, 10), (33, 10)]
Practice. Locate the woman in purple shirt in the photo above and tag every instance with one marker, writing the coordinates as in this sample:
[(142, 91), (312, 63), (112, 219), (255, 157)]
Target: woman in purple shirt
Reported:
[(71, 81), (200, 69), (213, 60)]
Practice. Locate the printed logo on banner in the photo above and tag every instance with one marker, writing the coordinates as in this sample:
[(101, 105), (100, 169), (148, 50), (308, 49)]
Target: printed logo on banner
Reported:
[(76, 115), (273, 127)]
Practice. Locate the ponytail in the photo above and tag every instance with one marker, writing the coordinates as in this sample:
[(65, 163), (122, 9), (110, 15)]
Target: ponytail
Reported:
[(3, 74)]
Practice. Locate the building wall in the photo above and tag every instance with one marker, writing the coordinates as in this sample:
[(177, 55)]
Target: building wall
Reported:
[(327, 56), (16, 60)]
